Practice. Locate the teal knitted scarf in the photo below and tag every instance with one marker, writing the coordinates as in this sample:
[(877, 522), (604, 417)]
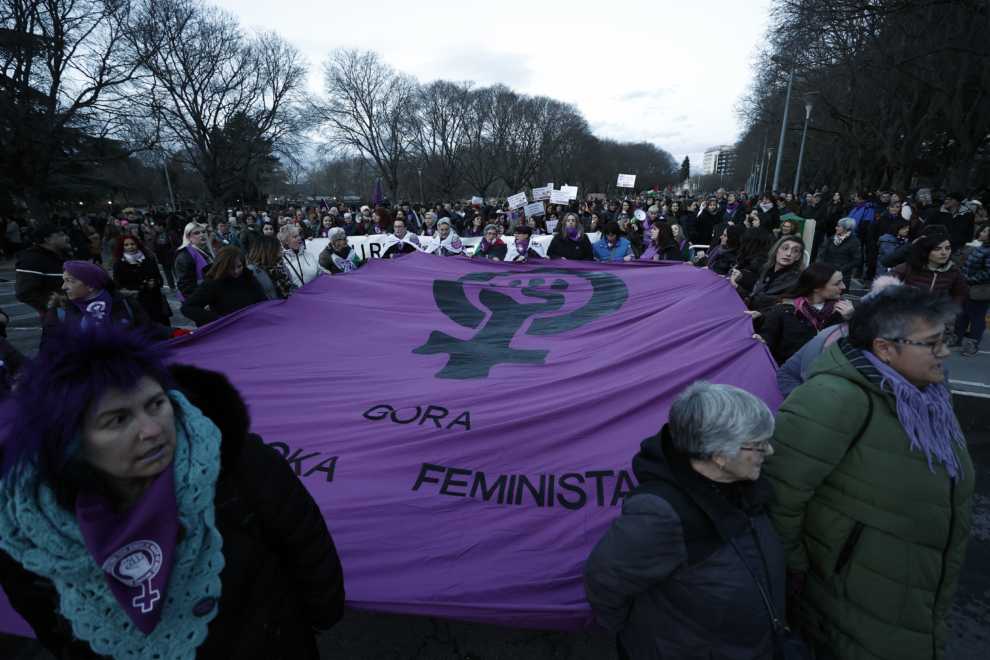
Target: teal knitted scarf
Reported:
[(45, 539)]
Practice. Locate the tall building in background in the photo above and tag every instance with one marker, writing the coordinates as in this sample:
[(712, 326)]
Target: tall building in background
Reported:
[(719, 160)]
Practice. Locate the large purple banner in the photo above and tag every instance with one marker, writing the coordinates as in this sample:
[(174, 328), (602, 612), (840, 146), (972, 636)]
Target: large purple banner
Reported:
[(467, 426)]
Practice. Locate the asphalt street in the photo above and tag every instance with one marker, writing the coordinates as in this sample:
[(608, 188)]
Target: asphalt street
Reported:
[(378, 636)]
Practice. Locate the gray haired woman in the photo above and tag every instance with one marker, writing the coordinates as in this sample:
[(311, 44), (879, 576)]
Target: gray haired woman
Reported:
[(338, 257), (845, 250), (672, 576)]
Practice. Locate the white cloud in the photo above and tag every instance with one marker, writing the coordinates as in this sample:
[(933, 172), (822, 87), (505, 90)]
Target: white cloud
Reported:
[(675, 82)]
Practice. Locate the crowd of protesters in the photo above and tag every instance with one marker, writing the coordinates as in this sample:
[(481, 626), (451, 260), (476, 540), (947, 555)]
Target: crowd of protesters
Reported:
[(927, 238), (852, 527)]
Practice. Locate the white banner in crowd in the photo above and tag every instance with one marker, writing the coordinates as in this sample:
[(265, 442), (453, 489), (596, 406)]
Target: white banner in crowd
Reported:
[(570, 190), (534, 209), (477, 200), (541, 193), (559, 197), (626, 181), (516, 201), (371, 247)]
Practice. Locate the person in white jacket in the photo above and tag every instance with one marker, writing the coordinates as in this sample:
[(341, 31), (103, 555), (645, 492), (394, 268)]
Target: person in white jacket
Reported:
[(300, 264)]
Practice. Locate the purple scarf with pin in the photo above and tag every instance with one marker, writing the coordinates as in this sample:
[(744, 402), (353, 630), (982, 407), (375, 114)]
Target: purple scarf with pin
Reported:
[(96, 310), (134, 547), (523, 247), (927, 417), (573, 233)]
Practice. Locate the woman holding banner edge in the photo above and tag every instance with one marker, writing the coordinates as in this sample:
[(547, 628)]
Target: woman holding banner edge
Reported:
[(571, 243)]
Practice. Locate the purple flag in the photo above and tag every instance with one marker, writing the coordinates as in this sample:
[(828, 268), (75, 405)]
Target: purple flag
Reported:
[(323, 205), (378, 192), (468, 460)]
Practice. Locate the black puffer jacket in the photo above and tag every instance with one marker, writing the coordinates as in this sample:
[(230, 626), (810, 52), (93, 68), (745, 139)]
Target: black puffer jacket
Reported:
[(223, 297), (785, 331), (562, 247), (39, 275), (666, 579), (281, 577)]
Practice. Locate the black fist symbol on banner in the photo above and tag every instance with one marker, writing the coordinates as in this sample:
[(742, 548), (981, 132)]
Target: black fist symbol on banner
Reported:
[(474, 357)]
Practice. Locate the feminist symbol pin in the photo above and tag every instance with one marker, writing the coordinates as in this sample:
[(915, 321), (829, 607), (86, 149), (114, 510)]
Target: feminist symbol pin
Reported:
[(135, 565), (97, 309)]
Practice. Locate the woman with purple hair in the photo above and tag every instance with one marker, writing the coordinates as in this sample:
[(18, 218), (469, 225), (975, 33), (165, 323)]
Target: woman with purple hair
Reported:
[(874, 485), (140, 518)]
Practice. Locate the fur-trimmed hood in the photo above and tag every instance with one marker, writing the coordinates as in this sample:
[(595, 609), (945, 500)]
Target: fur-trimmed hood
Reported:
[(218, 399)]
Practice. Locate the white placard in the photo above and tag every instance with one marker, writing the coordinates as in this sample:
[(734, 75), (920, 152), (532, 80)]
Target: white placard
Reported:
[(370, 247), (626, 181), (570, 190), (477, 200), (552, 226), (550, 186), (534, 209), (559, 197), (541, 193), (517, 201)]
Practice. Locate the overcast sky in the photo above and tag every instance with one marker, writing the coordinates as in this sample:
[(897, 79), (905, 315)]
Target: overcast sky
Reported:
[(667, 73)]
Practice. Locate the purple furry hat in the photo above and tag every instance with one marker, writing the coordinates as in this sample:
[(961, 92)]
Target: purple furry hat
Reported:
[(71, 372)]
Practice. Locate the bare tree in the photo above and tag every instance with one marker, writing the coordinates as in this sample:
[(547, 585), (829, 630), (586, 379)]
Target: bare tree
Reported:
[(228, 101), (902, 91), (369, 107), (64, 95), (439, 144)]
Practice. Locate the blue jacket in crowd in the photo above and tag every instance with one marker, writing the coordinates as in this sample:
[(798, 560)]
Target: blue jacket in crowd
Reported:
[(604, 253)]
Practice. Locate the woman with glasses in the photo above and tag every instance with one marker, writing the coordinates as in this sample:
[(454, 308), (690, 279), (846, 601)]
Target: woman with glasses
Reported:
[(491, 246), (874, 485), (669, 578), (810, 306)]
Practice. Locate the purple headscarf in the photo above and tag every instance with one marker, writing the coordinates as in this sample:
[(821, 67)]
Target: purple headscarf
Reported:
[(88, 273)]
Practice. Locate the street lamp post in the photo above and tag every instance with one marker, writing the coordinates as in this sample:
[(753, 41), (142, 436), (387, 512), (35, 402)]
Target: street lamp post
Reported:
[(422, 200), (809, 102), (766, 174), (171, 196), (783, 132), (759, 176)]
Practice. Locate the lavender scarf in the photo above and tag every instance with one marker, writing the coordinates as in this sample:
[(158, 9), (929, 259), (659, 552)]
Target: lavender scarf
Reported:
[(927, 417)]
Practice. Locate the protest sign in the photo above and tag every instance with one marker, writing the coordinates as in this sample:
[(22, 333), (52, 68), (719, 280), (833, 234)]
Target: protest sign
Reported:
[(559, 197), (443, 499), (626, 181), (552, 226), (541, 193), (477, 200), (517, 201), (570, 190), (534, 209)]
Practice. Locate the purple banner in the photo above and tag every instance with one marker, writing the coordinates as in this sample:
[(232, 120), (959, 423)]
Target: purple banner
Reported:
[(467, 426)]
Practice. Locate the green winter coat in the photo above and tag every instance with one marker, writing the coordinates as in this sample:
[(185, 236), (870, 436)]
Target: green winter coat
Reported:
[(881, 539)]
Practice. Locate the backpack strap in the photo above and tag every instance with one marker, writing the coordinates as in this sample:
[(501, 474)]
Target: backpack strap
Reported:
[(866, 422), (60, 312), (127, 306)]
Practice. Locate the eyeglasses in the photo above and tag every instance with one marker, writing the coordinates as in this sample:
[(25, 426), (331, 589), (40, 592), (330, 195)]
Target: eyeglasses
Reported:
[(761, 447), (936, 345)]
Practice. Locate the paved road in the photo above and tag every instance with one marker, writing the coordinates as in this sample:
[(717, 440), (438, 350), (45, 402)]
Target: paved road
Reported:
[(375, 636)]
